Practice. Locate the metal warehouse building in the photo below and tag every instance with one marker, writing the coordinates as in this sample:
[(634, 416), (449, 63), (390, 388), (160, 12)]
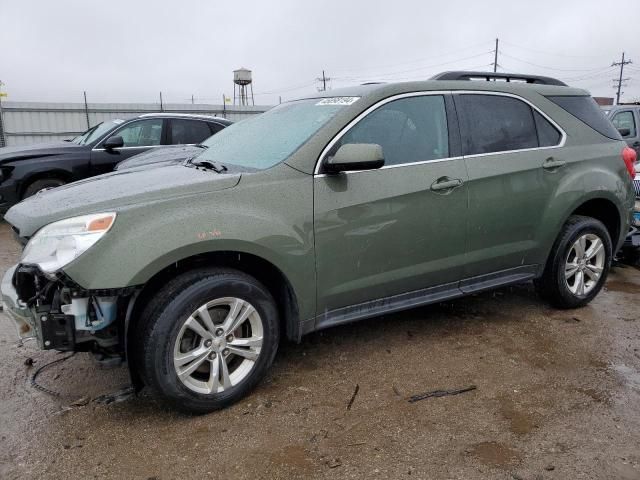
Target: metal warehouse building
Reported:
[(23, 123)]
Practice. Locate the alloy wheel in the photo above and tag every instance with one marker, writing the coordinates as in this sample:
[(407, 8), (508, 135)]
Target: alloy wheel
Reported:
[(584, 264), (218, 345)]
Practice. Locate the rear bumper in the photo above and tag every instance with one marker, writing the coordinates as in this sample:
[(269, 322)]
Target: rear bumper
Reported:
[(18, 312)]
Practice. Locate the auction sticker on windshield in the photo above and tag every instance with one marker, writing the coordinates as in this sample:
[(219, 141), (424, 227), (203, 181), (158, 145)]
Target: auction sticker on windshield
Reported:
[(338, 101)]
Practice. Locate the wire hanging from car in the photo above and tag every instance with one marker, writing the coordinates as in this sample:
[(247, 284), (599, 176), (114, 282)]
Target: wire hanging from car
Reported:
[(44, 389)]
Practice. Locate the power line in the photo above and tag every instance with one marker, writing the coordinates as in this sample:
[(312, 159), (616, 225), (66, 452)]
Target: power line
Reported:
[(424, 67), (410, 62), (619, 81), (550, 53), (550, 68)]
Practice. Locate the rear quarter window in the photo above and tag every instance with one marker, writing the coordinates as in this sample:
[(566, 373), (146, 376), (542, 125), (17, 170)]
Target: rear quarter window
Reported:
[(587, 110)]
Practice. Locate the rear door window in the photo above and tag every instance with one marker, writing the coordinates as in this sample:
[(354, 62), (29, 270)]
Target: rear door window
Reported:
[(495, 123), (625, 120), (188, 131), (587, 110)]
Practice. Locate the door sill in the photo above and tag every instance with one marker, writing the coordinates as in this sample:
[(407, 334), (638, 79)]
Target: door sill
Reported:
[(424, 296)]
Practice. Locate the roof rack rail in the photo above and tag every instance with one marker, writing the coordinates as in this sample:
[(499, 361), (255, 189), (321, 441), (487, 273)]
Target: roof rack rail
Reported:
[(507, 77)]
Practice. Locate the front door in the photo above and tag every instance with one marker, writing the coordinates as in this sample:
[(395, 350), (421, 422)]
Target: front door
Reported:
[(138, 136), (396, 229)]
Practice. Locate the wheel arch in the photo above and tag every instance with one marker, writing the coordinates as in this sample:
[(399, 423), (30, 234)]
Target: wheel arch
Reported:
[(604, 210), (263, 270), (56, 173)]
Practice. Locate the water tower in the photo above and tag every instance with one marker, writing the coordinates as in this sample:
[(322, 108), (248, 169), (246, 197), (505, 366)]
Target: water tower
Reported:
[(242, 78)]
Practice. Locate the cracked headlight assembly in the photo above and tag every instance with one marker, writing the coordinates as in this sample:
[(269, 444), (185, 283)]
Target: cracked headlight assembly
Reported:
[(59, 243)]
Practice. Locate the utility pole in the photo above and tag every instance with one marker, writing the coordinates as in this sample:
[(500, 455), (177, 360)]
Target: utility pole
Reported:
[(192, 102), (324, 81), (86, 110), (161, 102), (3, 140), (495, 58), (620, 80)]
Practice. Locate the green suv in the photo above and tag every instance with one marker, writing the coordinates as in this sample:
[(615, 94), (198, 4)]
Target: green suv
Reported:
[(322, 211)]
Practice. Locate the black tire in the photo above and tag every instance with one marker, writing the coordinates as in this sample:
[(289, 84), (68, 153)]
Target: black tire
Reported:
[(552, 285), (164, 317), (41, 184)]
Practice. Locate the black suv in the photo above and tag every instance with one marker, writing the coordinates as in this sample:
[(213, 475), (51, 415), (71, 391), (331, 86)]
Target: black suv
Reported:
[(26, 170)]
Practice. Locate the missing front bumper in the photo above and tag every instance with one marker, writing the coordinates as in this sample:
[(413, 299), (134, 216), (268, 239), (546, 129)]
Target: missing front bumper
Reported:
[(16, 310)]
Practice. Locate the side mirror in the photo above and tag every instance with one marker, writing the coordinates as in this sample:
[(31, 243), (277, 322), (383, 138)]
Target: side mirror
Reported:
[(355, 156), (113, 142), (625, 132)]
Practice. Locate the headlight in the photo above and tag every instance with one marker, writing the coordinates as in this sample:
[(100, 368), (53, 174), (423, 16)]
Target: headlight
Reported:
[(59, 243)]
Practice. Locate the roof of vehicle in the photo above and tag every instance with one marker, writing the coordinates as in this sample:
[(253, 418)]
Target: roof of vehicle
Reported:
[(518, 86), (187, 115)]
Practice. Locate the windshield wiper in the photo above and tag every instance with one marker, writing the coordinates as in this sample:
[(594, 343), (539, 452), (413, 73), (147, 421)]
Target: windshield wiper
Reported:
[(199, 145), (216, 167)]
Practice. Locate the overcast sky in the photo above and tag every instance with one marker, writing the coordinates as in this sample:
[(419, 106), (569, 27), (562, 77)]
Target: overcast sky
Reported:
[(128, 51)]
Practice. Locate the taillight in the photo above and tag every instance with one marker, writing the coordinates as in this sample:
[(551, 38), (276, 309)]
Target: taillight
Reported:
[(630, 156)]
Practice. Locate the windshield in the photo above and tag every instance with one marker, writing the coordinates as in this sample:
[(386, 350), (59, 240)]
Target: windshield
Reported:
[(264, 140), (96, 132)]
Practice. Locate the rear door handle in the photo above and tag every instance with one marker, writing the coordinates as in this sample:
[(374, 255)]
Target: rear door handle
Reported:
[(445, 183), (636, 144), (552, 164)]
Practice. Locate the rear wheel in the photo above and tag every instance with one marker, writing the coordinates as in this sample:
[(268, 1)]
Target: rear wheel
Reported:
[(42, 184), (578, 265), (209, 340)]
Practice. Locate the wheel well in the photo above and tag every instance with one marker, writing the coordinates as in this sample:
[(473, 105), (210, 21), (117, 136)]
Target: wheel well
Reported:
[(265, 272), (605, 211), (59, 174)]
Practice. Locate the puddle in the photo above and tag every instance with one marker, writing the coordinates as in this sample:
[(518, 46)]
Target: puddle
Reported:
[(494, 454), (624, 287), (630, 375), (521, 422)]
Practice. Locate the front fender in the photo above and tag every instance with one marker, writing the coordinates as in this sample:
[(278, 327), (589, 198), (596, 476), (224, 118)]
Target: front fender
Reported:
[(269, 216)]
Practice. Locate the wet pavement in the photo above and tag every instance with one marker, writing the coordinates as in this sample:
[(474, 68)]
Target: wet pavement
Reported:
[(557, 397)]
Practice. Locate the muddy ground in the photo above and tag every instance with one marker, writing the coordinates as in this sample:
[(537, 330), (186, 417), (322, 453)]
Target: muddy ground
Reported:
[(558, 397)]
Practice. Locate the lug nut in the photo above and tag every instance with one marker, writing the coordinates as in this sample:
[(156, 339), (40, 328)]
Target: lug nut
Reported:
[(219, 332), (207, 343), (212, 356), (225, 352), (229, 338)]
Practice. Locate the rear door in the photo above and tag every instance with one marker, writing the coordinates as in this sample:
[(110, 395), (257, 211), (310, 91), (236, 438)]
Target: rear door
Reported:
[(188, 132), (514, 167), (138, 135), (628, 119), (393, 230)]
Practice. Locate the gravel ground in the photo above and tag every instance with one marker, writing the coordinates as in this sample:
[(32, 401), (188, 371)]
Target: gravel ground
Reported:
[(558, 396)]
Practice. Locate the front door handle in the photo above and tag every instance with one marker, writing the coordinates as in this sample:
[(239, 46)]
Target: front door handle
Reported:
[(553, 164), (636, 144), (445, 183)]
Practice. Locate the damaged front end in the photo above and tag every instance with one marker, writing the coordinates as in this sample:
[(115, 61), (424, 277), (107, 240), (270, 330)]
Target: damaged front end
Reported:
[(63, 316)]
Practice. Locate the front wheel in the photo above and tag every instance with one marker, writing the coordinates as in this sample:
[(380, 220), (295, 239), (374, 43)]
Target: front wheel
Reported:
[(209, 339), (578, 264)]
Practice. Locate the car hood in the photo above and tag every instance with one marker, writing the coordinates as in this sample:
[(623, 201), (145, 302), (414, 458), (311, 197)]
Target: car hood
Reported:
[(114, 191), (38, 150), (170, 154)]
